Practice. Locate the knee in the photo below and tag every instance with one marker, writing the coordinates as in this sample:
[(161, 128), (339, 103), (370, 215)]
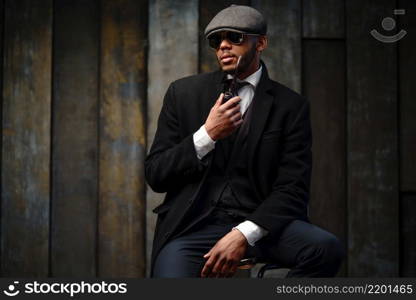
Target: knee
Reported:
[(322, 257), (329, 250), (176, 260), (168, 261)]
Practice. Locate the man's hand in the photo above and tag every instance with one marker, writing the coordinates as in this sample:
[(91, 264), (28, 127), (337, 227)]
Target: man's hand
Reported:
[(223, 118), (223, 258)]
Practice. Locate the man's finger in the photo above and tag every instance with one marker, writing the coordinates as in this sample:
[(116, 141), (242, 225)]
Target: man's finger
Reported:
[(238, 122), (209, 264), (226, 268), (235, 109), (236, 117), (230, 103), (208, 253), (219, 100), (216, 270), (206, 270)]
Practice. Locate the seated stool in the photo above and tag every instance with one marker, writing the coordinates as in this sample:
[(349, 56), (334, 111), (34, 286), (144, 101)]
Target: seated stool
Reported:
[(249, 263)]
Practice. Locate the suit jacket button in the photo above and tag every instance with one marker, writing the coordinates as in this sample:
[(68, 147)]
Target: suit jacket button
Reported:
[(167, 234)]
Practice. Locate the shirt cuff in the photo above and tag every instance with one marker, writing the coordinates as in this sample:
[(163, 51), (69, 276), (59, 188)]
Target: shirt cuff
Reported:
[(251, 231), (202, 142)]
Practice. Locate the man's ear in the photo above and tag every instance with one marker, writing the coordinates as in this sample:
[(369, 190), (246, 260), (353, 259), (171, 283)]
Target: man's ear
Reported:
[(261, 43)]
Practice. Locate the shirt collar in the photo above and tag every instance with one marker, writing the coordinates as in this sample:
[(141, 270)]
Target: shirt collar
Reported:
[(253, 79)]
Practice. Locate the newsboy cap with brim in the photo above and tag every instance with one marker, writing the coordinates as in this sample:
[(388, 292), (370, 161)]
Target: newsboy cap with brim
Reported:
[(238, 18)]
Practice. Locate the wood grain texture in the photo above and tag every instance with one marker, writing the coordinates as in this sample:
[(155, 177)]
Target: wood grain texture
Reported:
[(121, 249), (323, 18), (173, 53), (324, 77), (1, 120), (1, 105), (407, 61), (207, 10), (75, 157), (408, 233), (373, 215), (283, 55), (26, 138)]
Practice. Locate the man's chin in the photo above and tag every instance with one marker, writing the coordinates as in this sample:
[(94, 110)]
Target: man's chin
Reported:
[(228, 68)]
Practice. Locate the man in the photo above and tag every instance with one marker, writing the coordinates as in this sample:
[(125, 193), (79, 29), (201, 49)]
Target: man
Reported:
[(236, 172)]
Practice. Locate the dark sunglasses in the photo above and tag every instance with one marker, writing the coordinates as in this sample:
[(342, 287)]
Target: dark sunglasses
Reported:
[(236, 38)]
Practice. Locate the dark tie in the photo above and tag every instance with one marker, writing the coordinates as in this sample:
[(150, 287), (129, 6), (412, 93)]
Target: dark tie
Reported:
[(239, 85), (232, 90)]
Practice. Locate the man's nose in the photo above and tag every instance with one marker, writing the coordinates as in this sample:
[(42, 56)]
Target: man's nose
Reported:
[(225, 44)]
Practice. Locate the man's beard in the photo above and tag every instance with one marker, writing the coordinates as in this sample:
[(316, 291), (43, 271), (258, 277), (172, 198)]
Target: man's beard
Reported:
[(245, 61)]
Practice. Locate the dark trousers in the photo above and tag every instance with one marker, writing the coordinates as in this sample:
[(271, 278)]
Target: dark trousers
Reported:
[(306, 249)]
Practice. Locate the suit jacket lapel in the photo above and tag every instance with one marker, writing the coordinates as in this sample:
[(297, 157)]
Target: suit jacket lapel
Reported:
[(262, 103)]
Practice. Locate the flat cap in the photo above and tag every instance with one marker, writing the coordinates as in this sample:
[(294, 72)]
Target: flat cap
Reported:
[(238, 18)]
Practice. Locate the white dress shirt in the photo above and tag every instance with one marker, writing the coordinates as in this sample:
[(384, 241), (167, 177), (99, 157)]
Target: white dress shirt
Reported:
[(204, 144)]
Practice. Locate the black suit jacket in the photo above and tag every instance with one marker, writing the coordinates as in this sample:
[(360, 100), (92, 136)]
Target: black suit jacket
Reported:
[(279, 149)]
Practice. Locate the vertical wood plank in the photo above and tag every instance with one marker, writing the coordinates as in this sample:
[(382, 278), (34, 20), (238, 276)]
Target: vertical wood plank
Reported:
[(372, 143), (207, 10), (407, 61), (74, 141), (173, 53), (408, 233), (324, 77), (26, 138), (1, 117), (122, 139), (323, 18), (283, 56)]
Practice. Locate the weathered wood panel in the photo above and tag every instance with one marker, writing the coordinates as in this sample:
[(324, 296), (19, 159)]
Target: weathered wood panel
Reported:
[(407, 61), (1, 105), (408, 233), (283, 56), (26, 138), (323, 18), (122, 139), (325, 90), (1, 118), (372, 143), (173, 53), (74, 140), (207, 10)]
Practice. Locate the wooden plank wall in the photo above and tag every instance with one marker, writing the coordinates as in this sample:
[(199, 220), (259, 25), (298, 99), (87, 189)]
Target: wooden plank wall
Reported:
[(122, 144), (82, 84), (283, 58), (26, 138), (407, 138), (171, 56), (75, 156), (372, 154), (328, 188), (73, 142), (324, 85)]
